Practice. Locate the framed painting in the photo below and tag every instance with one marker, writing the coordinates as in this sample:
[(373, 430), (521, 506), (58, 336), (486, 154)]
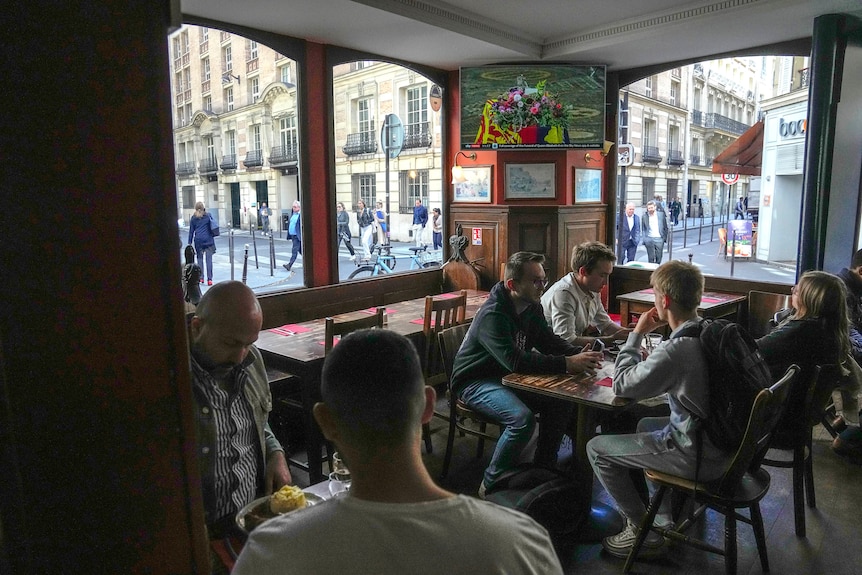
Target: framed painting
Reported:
[(588, 186), (531, 181), (476, 187)]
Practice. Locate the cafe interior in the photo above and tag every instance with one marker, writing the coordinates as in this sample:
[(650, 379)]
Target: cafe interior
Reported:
[(97, 449)]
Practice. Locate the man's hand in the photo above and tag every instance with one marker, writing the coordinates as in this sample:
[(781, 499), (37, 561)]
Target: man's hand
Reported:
[(648, 321), (277, 473), (586, 360)]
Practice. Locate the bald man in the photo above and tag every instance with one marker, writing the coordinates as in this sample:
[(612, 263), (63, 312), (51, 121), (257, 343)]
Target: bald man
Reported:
[(239, 455)]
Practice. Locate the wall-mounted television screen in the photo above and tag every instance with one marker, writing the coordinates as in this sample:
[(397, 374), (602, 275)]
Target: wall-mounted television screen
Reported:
[(532, 106)]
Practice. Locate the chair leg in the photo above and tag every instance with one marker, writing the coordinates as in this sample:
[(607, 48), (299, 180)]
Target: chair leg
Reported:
[(798, 490), (759, 535), (645, 526), (450, 441), (730, 550), (426, 435), (809, 476)]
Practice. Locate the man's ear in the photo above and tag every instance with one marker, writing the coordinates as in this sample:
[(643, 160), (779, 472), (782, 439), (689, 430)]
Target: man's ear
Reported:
[(510, 284), (326, 420), (195, 326), (430, 402)]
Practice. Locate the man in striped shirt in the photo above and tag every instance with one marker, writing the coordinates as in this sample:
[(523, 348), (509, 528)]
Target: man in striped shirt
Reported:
[(239, 455)]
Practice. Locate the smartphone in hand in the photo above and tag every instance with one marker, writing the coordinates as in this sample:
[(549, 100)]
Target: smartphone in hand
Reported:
[(597, 345)]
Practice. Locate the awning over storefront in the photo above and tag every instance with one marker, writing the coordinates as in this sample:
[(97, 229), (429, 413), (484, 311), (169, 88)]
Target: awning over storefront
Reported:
[(743, 156)]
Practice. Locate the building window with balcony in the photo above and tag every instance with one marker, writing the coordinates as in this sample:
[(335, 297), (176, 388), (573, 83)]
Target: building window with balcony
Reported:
[(417, 133), (364, 140), (650, 154), (228, 99), (228, 161), (674, 153), (209, 164), (414, 186), (364, 188), (287, 149), (254, 156)]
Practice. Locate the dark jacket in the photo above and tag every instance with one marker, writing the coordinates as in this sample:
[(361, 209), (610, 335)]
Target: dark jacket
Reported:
[(500, 342), (199, 231), (343, 221), (420, 215), (805, 342), (662, 224), (630, 237), (853, 283), (298, 234)]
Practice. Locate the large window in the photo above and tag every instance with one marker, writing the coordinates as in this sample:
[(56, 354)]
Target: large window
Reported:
[(365, 122), (226, 59), (414, 186), (287, 134), (417, 106), (365, 189)]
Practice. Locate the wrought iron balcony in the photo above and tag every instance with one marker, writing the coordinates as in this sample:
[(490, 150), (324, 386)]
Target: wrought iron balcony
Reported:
[(282, 155), (186, 168), (696, 160), (650, 155), (253, 159), (208, 166), (228, 162), (360, 143), (417, 135), (674, 158), (717, 122)]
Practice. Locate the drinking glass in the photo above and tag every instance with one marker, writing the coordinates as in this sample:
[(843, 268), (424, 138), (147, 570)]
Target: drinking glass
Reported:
[(652, 341), (339, 479)]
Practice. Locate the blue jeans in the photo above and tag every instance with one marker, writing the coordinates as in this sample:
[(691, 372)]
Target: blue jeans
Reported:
[(208, 253), (515, 411), (295, 251)]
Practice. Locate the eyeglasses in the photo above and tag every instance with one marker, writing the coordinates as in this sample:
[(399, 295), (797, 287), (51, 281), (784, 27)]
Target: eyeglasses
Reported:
[(540, 284)]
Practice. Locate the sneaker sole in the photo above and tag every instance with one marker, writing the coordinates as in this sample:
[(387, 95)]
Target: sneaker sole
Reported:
[(648, 551)]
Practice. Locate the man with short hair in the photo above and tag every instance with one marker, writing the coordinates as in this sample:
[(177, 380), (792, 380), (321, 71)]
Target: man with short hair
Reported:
[(294, 232), (420, 218), (677, 367), (394, 519), (239, 455), (573, 303), (509, 333), (654, 232), (630, 233)]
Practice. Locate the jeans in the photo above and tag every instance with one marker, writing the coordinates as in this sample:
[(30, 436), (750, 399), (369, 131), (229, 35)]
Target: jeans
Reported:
[(438, 240), (630, 249), (207, 253), (611, 457), (654, 248), (514, 411), (297, 249)]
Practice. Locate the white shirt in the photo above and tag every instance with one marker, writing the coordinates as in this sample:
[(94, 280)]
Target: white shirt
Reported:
[(452, 536), (654, 230), (569, 311)]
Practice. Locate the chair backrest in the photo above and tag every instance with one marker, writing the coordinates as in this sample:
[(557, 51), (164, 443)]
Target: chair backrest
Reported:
[(341, 328), (762, 306), (825, 379), (450, 341), (440, 314), (765, 413)]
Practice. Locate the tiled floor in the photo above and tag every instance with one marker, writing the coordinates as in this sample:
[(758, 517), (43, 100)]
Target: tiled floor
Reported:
[(833, 544)]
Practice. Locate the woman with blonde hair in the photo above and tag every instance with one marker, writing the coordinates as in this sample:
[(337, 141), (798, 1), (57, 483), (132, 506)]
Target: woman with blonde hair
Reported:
[(200, 232)]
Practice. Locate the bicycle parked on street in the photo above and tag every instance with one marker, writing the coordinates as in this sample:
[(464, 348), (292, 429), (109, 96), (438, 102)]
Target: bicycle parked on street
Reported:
[(381, 263)]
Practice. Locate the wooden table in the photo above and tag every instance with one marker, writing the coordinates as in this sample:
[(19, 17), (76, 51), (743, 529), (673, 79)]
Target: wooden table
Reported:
[(712, 304), (298, 349)]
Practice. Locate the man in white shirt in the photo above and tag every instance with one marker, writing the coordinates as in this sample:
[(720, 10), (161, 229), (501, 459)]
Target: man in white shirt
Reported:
[(654, 232), (394, 519), (573, 303)]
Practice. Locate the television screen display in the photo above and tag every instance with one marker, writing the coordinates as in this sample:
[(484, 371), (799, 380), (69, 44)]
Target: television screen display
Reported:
[(532, 106)]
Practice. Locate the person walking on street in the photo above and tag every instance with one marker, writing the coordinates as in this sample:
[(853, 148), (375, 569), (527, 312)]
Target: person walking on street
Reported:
[(675, 209), (380, 222), (264, 218), (342, 219), (366, 227), (420, 218), (294, 232), (630, 233), (739, 211), (654, 232), (200, 233), (437, 228)]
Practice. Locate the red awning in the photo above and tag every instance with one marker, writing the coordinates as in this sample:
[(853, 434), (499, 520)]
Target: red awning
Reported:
[(744, 156)]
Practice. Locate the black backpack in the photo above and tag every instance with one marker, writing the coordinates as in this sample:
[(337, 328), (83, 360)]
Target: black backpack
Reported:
[(551, 497), (737, 373)]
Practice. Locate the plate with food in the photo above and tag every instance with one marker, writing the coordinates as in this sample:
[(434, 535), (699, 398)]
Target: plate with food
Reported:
[(286, 500)]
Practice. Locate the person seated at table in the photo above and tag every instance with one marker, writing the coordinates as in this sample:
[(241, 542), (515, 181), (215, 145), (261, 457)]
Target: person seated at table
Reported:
[(239, 455), (852, 278), (394, 519), (509, 334), (677, 367), (815, 333), (573, 303)]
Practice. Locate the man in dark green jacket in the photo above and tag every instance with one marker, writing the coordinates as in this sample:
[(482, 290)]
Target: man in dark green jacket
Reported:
[(510, 334)]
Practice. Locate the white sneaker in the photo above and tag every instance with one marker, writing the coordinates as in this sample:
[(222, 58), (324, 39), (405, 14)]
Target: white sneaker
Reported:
[(620, 545), (482, 490)]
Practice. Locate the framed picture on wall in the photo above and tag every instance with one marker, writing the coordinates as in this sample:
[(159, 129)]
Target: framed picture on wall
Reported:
[(476, 187), (588, 186), (531, 181)]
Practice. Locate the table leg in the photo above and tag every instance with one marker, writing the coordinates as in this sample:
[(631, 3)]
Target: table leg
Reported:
[(625, 314)]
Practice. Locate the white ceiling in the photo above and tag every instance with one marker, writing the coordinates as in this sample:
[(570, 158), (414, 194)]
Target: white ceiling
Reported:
[(620, 34)]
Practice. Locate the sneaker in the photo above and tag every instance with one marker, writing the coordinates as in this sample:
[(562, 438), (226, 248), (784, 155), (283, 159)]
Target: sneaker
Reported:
[(209, 282), (202, 280), (285, 266), (620, 545), (482, 490)]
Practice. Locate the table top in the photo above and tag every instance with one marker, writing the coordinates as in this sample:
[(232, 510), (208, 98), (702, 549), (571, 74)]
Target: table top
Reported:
[(592, 389), (304, 342), (708, 300)]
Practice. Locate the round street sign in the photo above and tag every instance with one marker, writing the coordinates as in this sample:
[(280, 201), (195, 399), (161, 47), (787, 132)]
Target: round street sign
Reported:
[(729, 179), (392, 136)]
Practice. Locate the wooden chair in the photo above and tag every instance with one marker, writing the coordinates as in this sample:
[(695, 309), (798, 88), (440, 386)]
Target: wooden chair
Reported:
[(743, 484), (440, 314), (722, 242), (762, 306), (450, 342), (795, 436), (342, 328)]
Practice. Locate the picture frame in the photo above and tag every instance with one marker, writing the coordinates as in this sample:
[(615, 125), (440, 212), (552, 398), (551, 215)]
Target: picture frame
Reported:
[(588, 186), (476, 187), (531, 181)]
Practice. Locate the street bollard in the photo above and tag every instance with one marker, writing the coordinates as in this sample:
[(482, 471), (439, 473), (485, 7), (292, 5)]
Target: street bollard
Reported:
[(690, 257), (230, 252), (271, 255), (245, 265), (254, 243)]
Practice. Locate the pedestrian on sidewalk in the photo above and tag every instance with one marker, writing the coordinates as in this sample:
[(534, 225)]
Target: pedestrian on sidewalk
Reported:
[(420, 218), (294, 232), (366, 227), (200, 233), (342, 220), (264, 218), (437, 228), (654, 232)]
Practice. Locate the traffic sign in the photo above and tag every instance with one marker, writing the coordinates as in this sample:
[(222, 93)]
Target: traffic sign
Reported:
[(729, 179), (625, 155), (392, 136)]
